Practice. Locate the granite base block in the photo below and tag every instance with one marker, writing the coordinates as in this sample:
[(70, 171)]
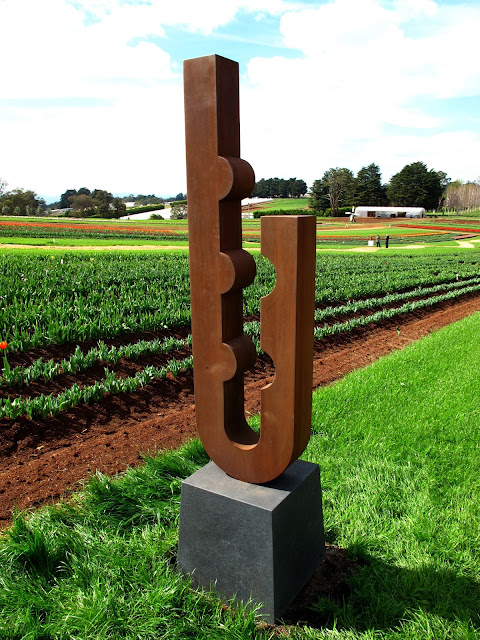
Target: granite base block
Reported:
[(248, 542)]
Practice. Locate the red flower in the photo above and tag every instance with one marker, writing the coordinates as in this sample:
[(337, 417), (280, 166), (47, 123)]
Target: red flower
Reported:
[(3, 345)]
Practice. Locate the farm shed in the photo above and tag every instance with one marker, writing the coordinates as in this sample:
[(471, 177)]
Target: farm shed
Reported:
[(390, 212)]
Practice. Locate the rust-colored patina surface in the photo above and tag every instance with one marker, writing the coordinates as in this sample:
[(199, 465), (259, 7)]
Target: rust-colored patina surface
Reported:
[(217, 180)]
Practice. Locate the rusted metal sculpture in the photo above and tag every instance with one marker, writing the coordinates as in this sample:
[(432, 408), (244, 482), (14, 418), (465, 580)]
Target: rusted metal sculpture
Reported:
[(217, 180)]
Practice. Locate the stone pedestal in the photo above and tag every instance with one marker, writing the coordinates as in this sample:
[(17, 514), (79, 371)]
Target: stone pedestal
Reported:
[(248, 541)]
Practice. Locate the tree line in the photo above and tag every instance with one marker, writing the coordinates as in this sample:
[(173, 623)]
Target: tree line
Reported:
[(414, 186), (279, 188), (463, 195), (143, 200), (20, 202), (100, 203), (84, 203)]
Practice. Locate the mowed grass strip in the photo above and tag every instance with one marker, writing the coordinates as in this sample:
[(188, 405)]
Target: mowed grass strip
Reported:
[(398, 448), (399, 451)]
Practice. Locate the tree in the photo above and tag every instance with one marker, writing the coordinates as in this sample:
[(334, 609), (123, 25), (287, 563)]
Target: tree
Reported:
[(19, 202), (179, 211), (319, 196), (459, 195), (417, 186), (119, 207), (3, 187), (279, 188), (98, 202), (260, 189), (65, 201), (297, 188), (337, 188), (102, 200), (83, 205), (368, 187)]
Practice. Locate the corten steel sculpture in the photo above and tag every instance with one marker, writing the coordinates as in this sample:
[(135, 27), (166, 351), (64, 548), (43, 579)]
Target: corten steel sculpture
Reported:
[(217, 180)]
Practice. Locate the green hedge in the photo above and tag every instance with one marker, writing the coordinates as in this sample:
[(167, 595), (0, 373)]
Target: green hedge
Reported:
[(283, 212), (151, 207), (341, 211)]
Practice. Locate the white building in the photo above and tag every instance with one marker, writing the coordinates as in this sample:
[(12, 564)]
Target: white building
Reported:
[(390, 212)]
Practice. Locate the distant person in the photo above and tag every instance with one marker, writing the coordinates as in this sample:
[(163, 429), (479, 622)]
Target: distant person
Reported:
[(378, 241), (387, 238)]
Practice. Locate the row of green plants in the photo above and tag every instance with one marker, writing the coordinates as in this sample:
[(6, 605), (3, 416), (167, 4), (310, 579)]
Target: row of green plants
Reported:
[(393, 239), (145, 208), (387, 314), (81, 361), (355, 306), (253, 328), (51, 405), (76, 231), (48, 300)]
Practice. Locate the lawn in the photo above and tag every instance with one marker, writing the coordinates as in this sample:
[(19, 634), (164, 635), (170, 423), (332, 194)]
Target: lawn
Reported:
[(398, 449), (282, 203)]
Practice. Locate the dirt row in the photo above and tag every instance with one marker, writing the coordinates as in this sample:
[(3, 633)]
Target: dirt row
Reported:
[(44, 460)]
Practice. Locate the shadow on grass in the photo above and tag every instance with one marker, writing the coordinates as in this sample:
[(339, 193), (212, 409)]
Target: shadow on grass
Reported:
[(355, 591)]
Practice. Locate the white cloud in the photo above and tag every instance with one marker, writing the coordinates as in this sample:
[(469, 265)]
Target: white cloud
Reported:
[(361, 70), (410, 9), (202, 17), (362, 66)]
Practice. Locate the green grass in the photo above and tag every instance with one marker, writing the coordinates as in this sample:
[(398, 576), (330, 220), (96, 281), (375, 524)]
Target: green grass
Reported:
[(90, 242), (103, 567), (283, 203), (398, 448), (358, 230)]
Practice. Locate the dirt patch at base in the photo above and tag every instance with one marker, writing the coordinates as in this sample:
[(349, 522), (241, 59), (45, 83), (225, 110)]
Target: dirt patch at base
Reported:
[(43, 460)]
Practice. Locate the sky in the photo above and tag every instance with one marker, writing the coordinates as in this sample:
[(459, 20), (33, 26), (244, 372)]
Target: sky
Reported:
[(91, 91)]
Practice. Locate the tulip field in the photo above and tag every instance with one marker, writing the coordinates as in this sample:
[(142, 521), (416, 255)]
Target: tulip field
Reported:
[(96, 397), (86, 316), (63, 231)]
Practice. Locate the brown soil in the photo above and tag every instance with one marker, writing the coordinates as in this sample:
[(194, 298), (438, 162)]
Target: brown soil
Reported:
[(43, 460)]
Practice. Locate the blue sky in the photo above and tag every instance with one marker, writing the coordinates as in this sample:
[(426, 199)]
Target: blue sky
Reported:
[(91, 91)]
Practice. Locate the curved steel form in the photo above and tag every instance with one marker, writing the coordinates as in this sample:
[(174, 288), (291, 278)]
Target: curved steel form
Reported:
[(217, 180)]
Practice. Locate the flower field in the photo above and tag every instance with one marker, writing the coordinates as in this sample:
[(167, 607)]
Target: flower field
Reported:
[(175, 231), (86, 318), (91, 230)]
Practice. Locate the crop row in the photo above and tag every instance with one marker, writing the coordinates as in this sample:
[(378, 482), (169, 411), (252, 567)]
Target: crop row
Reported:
[(45, 405), (253, 328), (51, 405), (79, 231), (56, 300), (396, 239), (355, 306), (387, 314), (80, 361)]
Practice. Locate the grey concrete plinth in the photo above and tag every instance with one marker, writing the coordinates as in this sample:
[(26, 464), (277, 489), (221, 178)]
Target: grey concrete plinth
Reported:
[(247, 541)]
